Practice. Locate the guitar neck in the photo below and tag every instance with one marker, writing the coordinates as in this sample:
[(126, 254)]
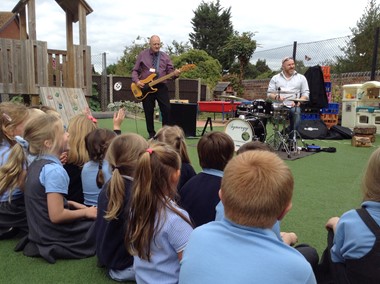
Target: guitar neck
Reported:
[(161, 79)]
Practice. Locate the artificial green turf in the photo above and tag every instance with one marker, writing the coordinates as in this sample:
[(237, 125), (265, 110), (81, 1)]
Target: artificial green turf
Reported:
[(326, 185)]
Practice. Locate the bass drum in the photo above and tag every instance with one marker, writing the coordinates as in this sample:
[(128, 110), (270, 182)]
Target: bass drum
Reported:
[(245, 130)]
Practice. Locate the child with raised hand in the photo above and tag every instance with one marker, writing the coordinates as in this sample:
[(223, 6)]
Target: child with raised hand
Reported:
[(57, 228), (256, 191), (355, 242), (122, 155), (12, 208), (157, 229), (174, 136), (118, 118), (96, 172)]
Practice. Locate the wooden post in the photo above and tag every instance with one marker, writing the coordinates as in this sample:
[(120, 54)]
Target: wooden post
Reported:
[(32, 19), (82, 25), (176, 90), (22, 18), (199, 89), (69, 78), (104, 83)]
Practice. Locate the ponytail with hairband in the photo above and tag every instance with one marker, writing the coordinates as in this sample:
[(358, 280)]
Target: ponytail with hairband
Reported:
[(22, 142)]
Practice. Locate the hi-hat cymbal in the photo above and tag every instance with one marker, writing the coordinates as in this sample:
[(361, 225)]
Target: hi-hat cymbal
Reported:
[(298, 100), (280, 92), (230, 97)]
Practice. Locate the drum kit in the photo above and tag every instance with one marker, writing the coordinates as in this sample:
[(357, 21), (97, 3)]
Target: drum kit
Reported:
[(250, 122)]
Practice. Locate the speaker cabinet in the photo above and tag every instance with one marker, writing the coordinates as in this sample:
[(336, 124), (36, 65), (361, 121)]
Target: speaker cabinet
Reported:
[(185, 116)]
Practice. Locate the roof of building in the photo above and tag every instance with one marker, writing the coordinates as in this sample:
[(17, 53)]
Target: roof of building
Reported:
[(221, 86), (5, 19), (71, 7)]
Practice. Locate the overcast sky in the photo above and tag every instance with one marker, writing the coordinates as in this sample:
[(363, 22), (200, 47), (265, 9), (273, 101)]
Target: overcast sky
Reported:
[(114, 24)]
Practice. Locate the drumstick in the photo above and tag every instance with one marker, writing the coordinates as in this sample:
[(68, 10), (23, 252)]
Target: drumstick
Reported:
[(285, 97)]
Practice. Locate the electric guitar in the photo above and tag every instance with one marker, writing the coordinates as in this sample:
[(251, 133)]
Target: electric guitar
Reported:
[(141, 93)]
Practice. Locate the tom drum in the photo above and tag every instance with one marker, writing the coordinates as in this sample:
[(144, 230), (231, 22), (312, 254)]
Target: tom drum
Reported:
[(244, 130), (261, 108)]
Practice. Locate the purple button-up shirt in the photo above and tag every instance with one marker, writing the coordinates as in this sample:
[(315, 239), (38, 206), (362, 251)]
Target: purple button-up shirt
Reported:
[(143, 67)]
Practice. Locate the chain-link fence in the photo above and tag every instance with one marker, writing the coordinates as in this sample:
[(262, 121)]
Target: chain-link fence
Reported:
[(99, 66), (97, 63), (322, 52)]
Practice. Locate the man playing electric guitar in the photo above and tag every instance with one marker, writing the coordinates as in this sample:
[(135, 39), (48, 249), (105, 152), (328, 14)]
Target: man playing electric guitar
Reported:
[(153, 61)]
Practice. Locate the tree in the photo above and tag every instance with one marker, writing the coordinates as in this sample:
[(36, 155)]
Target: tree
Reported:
[(177, 48), (125, 64), (260, 70), (240, 47), (207, 68), (261, 66), (359, 50), (212, 27)]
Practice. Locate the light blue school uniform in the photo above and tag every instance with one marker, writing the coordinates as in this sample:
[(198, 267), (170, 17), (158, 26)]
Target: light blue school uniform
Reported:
[(225, 252), (353, 239), (5, 150), (88, 175), (168, 242)]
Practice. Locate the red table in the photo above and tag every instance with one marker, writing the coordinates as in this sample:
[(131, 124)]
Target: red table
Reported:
[(223, 107)]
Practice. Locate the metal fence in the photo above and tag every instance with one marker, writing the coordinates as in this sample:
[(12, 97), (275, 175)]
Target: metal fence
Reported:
[(322, 52), (98, 63)]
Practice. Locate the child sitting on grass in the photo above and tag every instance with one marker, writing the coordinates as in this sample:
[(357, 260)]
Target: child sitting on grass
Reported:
[(96, 172), (122, 156), (256, 191), (57, 228), (355, 242), (174, 136), (13, 117), (157, 229), (199, 196)]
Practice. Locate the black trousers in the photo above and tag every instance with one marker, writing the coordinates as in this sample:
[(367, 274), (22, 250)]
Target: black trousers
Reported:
[(162, 97)]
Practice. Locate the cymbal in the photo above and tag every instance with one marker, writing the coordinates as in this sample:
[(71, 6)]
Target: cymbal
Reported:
[(230, 97), (298, 100), (280, 92)]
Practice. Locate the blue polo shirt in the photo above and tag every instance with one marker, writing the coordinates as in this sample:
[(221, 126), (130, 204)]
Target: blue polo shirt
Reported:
[(353, 239), (225, 252)]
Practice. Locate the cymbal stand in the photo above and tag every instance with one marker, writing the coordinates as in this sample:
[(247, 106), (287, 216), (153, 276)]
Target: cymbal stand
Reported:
[(277, 140)]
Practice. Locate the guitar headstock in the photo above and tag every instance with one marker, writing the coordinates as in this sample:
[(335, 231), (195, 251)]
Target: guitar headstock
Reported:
[(187, 67)]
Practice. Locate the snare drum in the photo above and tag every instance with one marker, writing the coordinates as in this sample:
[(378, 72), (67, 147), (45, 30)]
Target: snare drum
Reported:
[(244, 108), (281, 114), (244, 130), (276, 105), (261, 108)]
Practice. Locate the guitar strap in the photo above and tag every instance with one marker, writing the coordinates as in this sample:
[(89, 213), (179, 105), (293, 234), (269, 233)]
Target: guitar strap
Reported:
[(157, 65)]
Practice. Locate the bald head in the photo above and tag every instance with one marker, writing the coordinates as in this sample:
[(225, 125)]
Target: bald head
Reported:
[(155, 43)]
